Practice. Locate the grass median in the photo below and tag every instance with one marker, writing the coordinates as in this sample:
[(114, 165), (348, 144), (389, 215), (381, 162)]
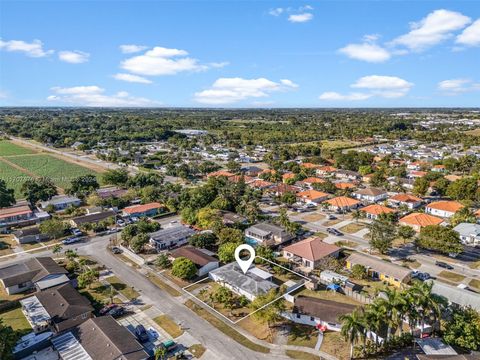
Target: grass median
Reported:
[(163, 285), (301, 355), (227, 330)]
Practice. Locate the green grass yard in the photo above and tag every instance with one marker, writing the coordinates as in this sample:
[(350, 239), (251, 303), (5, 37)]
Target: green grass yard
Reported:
[(167, 324), (128, 291), (13, 177), (7, 148), (16, 320)]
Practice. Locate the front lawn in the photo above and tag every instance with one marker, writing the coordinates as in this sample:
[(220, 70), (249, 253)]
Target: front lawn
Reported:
[(352, 228), (334, 344), (167, 324), (303, 335), (163, 285), (128, 291)]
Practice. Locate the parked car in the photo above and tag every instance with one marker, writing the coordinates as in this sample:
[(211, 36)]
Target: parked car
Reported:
[(334, 232), (116, 250), (116, 311), (120, 223), (423, 276), (331, 217), (444, 265), (76, 232), (71, 240), (141, 334), (106, 309), (111, 231)]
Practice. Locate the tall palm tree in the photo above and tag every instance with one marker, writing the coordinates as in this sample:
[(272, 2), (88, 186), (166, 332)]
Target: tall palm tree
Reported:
[(428, 305), (394, 306), (353, 328), (374, 319)]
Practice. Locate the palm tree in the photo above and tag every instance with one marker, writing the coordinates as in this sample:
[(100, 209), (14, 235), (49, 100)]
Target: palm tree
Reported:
[(353, 328), (160, 353), (394, 306), (57, 249), (427, 304), (374, 319)]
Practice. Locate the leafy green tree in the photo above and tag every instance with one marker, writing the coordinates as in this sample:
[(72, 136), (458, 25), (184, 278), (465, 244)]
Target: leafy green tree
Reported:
[(162, 261), (224, 296), (139, 241), (441, 185), (464, 215), (288, 198), (183, 268), (365, 170), (160, 353), (142, 180), (359, 272), (117, 177), (420, 186), (54, 228), (203, 240), (36, 190), (7, 196), (381, 234), (406, 232), (208, 218), (464, 189), (226, 252), (233, 166), (87, 278), (230, 235), (439, 238), (271, 314), (83, 185), (57, 249), (463, 329), (8, 340), (264, 252)]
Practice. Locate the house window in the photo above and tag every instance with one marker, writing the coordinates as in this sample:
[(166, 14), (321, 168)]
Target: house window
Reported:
[(298, 316), (84, 316), (312, 318)]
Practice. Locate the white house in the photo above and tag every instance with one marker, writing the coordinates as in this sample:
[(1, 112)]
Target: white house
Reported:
[(370, 195), (170, 237), (444, 209), (469, 233)]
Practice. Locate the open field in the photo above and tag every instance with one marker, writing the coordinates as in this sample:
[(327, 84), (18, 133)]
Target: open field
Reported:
[(13, 177), (7, 148), (42, 165)]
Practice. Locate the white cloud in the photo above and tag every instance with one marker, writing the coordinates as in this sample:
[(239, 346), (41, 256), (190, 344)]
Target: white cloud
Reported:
[(95, 96), (74, 57), (457, 86), (33, 49), (471, 35), (331, 95), (162, 61), (218, 65), (132, 78), (130, 49), (436, 27), (366, 52), (375, 85), (300, 18), (231, 90), (384, 86), (277, 11)]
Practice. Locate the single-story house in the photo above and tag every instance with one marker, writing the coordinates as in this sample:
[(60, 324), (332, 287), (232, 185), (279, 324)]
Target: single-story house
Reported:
[(419, 220), (39, 273), (56, 309), (171, 237), (204, 262), (260, 184), (251, 170), (29, 235), (281, 189), (408, 200), (150, 209), (457, 296), (444, 209), (253, 283), (347, 174), (469, 233), (111, 192), (371, 195), (318, 312), (341, 185), (373, 211), (343, 203), (231, 218), (17, 215), (326, 170), (61, 202), (310, 252), (92, 218), (380, 269), (99, 338), (310, 181), (312, 196), (267, 234)]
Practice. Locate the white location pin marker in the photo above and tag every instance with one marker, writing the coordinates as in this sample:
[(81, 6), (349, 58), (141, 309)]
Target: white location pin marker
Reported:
[(244, 264)]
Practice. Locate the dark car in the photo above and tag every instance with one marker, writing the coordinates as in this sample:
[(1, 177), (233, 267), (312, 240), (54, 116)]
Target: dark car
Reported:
[(444, 265), (117, 312), (106, 309), (116, 250), (141, 334), (334, 232)]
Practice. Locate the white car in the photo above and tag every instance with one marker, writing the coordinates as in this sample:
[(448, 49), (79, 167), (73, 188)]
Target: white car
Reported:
[(71, 240)]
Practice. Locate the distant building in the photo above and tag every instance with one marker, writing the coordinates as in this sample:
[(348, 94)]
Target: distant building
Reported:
[(312, 196), (204, 262), (469, 233), (252, 284), (231, 218), (61, 202), (29, 235), (444, 209), (170, 237), (343, 203), (94, 218), (267, 234), (111, 192), (19, 214), (56, 309), (310, 252), (394, 274), (35, 273), (99, 338), (150, 209)]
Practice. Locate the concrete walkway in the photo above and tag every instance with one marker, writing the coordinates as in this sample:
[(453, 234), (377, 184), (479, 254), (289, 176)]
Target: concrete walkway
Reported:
[(319, 341)]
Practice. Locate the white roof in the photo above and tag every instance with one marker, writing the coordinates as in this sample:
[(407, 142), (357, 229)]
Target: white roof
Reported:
[(51, 281), (260, 273), (34, 310), (435, 346), (457, 296)]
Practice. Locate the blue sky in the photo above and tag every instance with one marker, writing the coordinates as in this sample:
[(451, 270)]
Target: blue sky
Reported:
[(240, 53)]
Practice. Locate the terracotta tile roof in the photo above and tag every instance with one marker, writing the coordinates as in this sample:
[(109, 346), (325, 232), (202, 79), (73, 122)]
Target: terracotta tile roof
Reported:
[(310, 166), (312, 249), (376, 209), (418, 173), (142, 208), (220, 173), (327, 169), (450, 206), (342, 201), (312, 180), (405, 198), (288, 176), (370, 191), (344, 185), (312, 194), (260, 184), (452, 177), (420, 219), (237, 178)]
